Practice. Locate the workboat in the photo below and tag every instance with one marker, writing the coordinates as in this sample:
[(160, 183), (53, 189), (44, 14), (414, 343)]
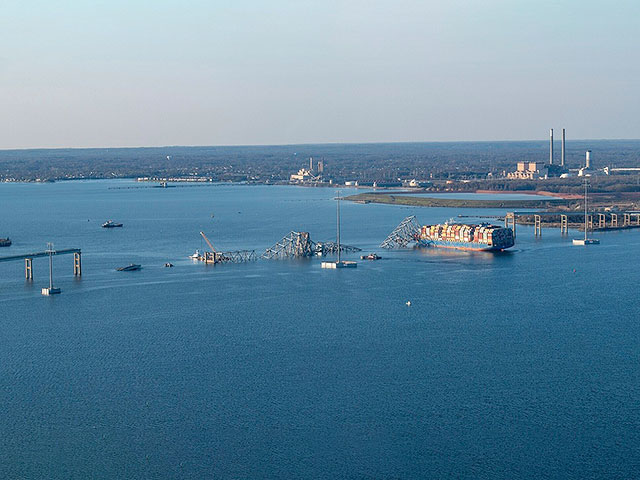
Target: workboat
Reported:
[(129, 268), (5, 242), (196, 255), (111, 224), (371, 256)]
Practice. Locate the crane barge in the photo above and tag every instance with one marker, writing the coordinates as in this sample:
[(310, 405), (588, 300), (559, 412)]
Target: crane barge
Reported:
[(213, 256)]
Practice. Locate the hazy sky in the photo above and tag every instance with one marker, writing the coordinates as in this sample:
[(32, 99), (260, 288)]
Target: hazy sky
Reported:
[(164, 72)]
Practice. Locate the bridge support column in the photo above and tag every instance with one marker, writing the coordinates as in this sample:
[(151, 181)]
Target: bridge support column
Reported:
[(614, 219), (77, 264), (637, 218), (510, 221), (537, 225), (590, 222), (564, 225), (626, 219), (28, 268), (602, 220)]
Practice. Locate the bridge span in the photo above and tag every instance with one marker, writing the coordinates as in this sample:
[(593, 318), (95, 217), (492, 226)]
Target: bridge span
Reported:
[(28, 260)]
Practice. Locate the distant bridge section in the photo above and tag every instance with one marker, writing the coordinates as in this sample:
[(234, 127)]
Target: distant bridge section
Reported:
[(28, 260)]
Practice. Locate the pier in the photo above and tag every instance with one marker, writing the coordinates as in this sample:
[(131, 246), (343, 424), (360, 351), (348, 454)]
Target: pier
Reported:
[(28, 260), (596, 220)]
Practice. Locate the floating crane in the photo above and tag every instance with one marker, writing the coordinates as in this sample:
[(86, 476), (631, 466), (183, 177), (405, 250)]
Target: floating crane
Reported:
[(214, 256)]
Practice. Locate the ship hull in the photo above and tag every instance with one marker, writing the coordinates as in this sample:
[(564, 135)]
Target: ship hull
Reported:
[(469, 246)]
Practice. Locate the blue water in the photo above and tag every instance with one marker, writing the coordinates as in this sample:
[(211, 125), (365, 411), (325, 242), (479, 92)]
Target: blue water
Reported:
[(518, 365)]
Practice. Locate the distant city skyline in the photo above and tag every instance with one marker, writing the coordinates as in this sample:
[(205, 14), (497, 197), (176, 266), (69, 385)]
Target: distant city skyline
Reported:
[(118, 74)]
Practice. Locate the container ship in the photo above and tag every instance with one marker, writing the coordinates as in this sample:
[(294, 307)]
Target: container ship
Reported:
[(483, 237)]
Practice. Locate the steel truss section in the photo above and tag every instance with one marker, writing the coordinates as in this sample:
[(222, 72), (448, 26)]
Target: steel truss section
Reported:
[(408, 231)]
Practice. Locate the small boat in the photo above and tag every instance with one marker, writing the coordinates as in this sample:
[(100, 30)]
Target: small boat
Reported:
[(5, 242), (195, 256), (111, 224), (129, 268), (371, 256), (168, 265)]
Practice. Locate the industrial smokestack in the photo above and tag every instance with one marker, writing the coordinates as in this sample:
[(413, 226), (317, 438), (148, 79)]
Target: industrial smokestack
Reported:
[(310, 163), (588, 161), (551, 146), (562, 156)]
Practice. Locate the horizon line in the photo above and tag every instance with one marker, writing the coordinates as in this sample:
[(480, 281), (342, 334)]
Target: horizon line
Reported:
[(302, 144)]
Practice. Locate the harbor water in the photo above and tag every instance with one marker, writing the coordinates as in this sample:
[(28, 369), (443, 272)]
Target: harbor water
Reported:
[(524, 364)]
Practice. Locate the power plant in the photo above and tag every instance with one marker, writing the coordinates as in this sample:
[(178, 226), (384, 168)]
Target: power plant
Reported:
[(563, 151)]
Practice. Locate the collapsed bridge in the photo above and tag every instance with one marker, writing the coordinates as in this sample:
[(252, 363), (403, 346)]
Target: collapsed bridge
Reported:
[(299, 244)]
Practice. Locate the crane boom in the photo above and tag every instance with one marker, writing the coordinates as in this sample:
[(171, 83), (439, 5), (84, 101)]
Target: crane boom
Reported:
[(208, 242)]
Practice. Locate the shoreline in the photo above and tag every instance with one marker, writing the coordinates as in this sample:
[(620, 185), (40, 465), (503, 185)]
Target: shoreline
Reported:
[(543, 193), (419, 201)]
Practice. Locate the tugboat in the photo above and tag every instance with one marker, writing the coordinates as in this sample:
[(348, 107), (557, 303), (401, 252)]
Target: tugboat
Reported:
[(111, 224), (129, 268), (371, 256), (5, 242)]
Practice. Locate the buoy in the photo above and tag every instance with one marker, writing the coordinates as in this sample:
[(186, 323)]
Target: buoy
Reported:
[(408, 303)]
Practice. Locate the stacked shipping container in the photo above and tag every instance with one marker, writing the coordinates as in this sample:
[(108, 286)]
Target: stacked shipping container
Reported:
[(468, 237)]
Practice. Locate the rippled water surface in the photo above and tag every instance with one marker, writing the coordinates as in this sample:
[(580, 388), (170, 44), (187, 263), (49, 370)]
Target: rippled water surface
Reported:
[(518, 365)]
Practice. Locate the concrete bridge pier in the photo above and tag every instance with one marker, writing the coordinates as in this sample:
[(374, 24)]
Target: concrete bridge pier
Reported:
[(28, 268), (590, 222), (602, 220), (564, 225), (510, 221), (626, 220), (614, 219), (77, 264), (537, 225)]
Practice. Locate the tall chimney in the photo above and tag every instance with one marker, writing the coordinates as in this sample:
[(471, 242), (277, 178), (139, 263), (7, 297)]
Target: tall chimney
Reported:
[(588, 161), (551, 146), (311, 163), (562, 156)]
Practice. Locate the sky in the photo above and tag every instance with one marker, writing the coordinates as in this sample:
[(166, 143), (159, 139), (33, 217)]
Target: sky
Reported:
[(238, 72)]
